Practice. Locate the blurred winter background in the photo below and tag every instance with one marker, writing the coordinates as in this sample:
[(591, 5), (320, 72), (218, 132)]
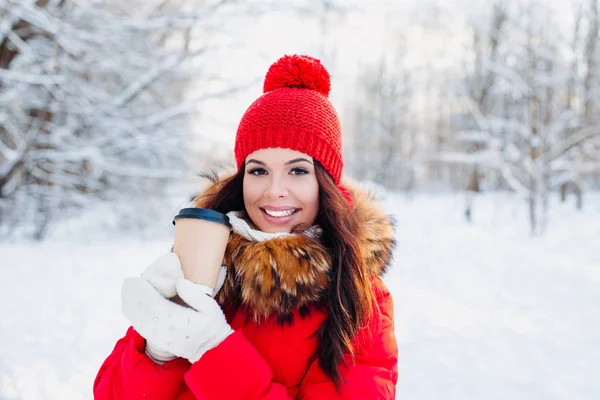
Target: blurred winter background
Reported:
[(476, 122)]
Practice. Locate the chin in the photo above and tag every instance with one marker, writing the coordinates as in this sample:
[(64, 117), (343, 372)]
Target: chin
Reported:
[(276, 229)]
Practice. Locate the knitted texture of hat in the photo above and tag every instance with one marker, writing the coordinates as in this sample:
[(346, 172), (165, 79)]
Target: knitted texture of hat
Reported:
[(294, 113)]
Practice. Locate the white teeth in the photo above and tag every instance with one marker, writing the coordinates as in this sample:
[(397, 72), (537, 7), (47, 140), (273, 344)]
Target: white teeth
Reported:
[(280, 214)]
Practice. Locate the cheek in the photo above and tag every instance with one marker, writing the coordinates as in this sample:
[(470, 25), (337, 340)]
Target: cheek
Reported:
[(250, 194), (309, 195)]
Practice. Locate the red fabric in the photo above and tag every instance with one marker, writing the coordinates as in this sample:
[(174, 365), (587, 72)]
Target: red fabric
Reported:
[(127, 373), (266, 362), (294, 113)]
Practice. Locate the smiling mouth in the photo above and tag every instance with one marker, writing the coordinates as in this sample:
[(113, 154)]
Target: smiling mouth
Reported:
[(280, 214)]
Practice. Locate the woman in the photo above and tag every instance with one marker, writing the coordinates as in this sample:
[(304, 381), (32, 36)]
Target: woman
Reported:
[(301, 312)]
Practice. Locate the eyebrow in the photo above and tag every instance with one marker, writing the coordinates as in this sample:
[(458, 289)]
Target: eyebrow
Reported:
[(295, 160)]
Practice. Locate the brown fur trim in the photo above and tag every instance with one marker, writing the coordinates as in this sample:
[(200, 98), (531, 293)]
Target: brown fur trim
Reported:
[(274, 277), (378, 228)]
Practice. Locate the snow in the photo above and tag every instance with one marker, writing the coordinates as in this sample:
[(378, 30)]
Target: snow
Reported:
[(483, 311)]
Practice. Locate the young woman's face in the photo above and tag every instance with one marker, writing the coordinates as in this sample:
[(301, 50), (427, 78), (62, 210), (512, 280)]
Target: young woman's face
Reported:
[(280, 189)]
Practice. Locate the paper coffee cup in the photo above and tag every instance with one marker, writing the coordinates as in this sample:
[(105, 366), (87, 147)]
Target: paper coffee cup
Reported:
[(201, 236)]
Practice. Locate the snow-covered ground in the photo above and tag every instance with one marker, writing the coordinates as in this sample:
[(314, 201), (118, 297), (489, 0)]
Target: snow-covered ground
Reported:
[(483, 311)]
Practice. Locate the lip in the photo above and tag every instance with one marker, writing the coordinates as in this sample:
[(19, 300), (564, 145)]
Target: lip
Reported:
[(279, 208), (279, 220)]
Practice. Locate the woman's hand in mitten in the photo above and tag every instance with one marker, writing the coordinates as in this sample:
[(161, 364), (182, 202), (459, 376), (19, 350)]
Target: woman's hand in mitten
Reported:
[(182, 331), (164, 273)]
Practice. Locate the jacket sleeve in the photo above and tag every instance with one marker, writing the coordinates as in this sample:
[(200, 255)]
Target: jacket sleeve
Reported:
[(129, 374), (236, 370)]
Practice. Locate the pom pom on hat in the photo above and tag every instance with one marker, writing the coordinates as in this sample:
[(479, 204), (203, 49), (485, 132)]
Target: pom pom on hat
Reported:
[(298, 71)]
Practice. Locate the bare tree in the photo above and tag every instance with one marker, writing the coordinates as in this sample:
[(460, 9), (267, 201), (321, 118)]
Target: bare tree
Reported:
[(526, 128), (480, 85), (92, 104), (381, 139)]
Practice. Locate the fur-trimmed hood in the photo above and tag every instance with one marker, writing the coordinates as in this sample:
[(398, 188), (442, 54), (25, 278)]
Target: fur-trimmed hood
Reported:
[(272, 274)]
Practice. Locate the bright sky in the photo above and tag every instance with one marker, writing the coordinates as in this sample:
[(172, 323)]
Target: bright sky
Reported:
[(433, 32)]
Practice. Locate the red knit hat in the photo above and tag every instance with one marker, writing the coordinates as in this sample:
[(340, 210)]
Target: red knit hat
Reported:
[(294, 113)]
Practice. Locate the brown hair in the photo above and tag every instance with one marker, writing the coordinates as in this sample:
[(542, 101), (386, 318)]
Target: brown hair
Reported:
[(350, 295)]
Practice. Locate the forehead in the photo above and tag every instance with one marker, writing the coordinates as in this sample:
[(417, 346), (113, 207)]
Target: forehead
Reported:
[(277, 155)]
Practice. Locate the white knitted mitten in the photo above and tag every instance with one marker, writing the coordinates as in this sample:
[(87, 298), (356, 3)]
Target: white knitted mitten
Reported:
[(163, 275), (182, 331)]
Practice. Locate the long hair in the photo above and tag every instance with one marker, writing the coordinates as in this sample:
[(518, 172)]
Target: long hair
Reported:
[(350, 294)]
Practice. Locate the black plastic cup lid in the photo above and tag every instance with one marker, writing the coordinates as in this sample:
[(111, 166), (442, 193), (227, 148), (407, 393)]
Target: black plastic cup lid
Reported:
[(205, 214)]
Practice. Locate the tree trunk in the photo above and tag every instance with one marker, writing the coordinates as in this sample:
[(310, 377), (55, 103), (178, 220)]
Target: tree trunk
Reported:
[(532, 213)]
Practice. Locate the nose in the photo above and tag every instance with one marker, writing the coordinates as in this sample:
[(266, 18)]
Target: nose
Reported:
[(277, 188)]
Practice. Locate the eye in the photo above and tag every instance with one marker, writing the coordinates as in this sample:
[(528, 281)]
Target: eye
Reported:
[(257, 171), (299, 171)]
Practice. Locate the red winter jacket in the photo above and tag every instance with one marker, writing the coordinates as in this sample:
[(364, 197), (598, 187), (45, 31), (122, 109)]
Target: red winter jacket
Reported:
[(267, 362)]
